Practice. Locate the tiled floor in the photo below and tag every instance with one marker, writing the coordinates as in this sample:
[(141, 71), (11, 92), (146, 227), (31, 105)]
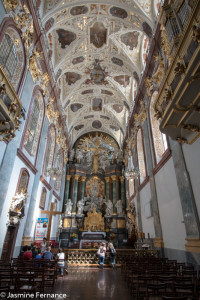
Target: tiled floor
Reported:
[(93, 283)]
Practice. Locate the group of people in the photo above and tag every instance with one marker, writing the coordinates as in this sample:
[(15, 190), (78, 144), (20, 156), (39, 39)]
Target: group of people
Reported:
[(45, 252), (102, 254)]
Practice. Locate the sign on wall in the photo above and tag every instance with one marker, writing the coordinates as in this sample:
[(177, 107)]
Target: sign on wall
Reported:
[(41, 228)]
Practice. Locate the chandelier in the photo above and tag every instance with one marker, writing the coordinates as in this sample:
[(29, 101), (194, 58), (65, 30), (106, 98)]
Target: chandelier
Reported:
[(130, 172), (55, 173)]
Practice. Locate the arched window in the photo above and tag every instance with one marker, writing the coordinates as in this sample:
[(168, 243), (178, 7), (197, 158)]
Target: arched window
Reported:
[(12, 56), (23, 181), (141, 157), (159, 139), (51, 140), (43, 198), (34, 124)]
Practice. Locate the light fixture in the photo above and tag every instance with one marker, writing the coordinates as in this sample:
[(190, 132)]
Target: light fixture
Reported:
[(130, 172)]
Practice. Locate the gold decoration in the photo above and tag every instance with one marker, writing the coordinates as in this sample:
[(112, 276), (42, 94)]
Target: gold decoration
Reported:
[(10, 4), (33, 67), (179, 68), (149, 85), (190, 127), (181, 141), (140, 118), (196, 33), (165, 45), (94, 221), (158, 76)]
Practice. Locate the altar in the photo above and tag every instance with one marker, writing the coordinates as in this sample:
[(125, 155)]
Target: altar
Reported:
[(91, 239)]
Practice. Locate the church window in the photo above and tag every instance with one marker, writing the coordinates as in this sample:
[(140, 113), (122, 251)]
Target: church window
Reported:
[(159, 139), (34, 125), (141, 157), (49, 151), (43, 198), (11, 56), (23, 182)]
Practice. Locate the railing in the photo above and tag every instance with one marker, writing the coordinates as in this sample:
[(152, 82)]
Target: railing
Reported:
[(10, 108)]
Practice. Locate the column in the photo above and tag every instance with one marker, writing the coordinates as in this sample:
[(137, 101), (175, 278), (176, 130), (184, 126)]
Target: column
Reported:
[(66, 195), (83, 179), (122, 191), (107, 179), (114, 178), (75, 192)]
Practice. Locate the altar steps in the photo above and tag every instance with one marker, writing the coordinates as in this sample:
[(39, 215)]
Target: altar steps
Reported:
[(93, 265)]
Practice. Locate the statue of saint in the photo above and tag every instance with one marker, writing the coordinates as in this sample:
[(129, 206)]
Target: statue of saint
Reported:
[(68, 210), (119, 207), (80, 205), (109, 208)]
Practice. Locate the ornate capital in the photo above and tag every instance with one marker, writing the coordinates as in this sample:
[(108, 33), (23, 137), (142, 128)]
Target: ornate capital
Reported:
[(68, 177), (107, 179), (114, 177), (83, 179), (121, 178), (76, 177)]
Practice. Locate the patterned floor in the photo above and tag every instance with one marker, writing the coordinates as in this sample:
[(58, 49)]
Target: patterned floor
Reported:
[(93, 283)]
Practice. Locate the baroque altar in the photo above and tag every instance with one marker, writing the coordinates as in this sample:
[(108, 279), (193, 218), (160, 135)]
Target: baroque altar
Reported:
[(94, 221)]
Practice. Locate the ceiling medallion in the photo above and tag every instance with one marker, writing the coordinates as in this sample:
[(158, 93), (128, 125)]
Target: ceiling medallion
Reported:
[(98, 35), (97, 74)]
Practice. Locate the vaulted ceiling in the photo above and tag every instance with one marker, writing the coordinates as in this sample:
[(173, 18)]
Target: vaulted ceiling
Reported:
[(98, 53)]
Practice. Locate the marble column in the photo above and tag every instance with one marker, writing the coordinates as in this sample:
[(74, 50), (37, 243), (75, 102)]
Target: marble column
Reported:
[(114, 178), (66, 195), (122, 191), (75, 193), (190, 214), (83, 179), (107, 179)]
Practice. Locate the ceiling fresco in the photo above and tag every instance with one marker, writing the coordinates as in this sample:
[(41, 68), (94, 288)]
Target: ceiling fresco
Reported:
[(98, 53)]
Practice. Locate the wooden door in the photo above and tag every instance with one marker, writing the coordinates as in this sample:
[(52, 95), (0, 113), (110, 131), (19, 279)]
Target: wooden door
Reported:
[(9, 242)]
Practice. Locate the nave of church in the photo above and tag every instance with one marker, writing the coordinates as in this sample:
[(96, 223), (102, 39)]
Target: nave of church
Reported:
[(100, 130)]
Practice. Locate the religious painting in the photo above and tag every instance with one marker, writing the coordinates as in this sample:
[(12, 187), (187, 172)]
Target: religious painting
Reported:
[(65, 37), (87, 92), (98, 34), (43, 198), (106, 92), (95, 186), (49, 24), (96, 124), (23, 182), (97, 104), (89, 117), (78, 10), (118, 12), (76, 106), (122, 80), (78, 60), (117, 61), (115, 128), (72, 77), (130, 39), (78, 127), (97, 74), (118, 108), (104, 117)]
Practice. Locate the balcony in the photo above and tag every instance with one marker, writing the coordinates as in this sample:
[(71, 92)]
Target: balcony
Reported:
[(10, 108), (178, 101)]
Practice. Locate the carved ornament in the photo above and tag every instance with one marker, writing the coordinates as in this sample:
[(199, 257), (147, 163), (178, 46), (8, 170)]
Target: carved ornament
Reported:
[(196, 33), (94, 221)]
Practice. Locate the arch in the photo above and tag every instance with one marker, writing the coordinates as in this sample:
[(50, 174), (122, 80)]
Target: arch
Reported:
[(43, 198), (34, 123), (141, 156), (23, 181), (159, 139), (50, 149), (12, 50)]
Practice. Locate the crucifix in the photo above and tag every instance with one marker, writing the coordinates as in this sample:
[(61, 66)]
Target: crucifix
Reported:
[(51, 213)]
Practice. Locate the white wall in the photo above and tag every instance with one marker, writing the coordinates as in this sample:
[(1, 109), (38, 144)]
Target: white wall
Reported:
[(192, 159), (170, 207), (147, 220), (10, 193)]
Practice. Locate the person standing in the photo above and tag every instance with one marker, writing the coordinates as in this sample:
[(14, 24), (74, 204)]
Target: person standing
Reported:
[(61, 261), (102, 253), (112, 254)]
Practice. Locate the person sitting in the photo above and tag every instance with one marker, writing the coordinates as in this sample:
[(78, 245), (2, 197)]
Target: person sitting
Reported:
[(102, 253), (28, 253), (23, 250), (112, 254), (38, 256), (61, 261), (34, 251), (44, 245), (47, 254)]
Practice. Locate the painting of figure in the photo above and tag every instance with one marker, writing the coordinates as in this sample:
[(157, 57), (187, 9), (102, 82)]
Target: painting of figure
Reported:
[(65, 37), (118, 12), (72, 77), (78, 60), (98, 34), (117, 61), (130, 39), (78, 10), (106, 92), (97, 104)]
